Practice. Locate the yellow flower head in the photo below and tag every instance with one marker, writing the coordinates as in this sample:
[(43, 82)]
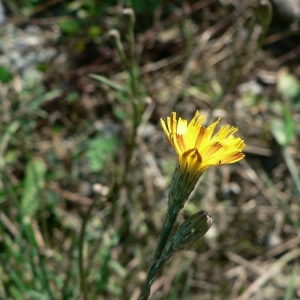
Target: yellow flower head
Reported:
[(196, 146)]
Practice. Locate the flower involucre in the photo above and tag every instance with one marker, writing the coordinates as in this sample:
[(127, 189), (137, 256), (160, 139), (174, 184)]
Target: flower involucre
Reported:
[(196, 146)]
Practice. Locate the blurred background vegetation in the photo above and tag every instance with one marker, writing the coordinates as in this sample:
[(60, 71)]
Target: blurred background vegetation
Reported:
[(84, 165)]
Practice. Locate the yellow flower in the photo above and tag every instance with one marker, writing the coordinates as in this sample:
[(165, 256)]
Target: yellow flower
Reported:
[(196, 146)]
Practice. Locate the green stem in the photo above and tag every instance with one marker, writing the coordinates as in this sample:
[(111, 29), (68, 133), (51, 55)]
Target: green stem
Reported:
[(131, 68), (157, 263), (136, 121), (153, 271), (165, 233)]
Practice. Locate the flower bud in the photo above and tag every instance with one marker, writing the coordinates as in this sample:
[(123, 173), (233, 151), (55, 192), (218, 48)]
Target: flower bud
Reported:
[(189, 232)]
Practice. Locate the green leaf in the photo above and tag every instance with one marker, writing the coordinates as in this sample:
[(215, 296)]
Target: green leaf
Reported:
[(101, 150), (5, 75), (119, 113), (69, 26), (289, 125), (108, 82), (15, 293), (94, 31), (35, 295), (289, 86), (34, 183), (292, 285), (278, 131), (283, 130)]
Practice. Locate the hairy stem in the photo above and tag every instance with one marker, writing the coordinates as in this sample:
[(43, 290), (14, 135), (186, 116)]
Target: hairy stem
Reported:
[(157, 263)]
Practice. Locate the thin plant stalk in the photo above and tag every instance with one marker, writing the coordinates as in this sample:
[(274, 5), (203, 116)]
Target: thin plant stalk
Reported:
[(82, 274), (131, 68), (156, 262)]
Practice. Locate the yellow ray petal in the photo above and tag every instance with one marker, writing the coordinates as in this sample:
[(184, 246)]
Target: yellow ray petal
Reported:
[(197, 147)]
